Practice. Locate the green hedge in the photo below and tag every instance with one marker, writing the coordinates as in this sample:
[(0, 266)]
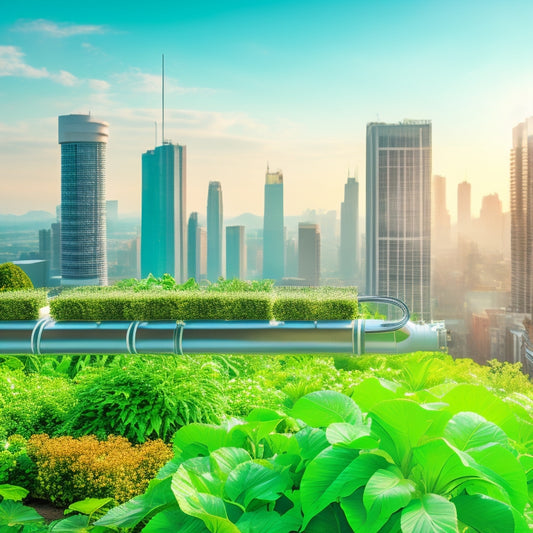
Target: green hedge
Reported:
[(21, 305), (13, 278), (315, 304), (283, 304)]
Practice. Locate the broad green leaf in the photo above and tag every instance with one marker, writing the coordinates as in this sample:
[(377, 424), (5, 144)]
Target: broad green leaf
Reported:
[(262, 414), (484, 514), (385, 493), (331, 520), (16, 514), (263, 521), (89, 505), (441, 467), (322, 408), (401, 425), (158, 496), (73, 524), (430, 514), (350, 436), (224, 460), (354, 509), (527, 464), (373, 390), (173, 520), (252, 481), (468, 430), (500, 466), (478, 399), (335, 473), (12, 492), (312, 441)]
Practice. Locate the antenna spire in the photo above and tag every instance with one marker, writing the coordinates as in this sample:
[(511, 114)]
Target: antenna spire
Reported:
[(162, 98)]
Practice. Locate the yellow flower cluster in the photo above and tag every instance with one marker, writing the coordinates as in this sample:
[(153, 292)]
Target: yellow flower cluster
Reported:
[(72, 469)]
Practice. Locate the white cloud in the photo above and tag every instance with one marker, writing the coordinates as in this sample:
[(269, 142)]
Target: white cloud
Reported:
[(12, 63), (55, 29), (151, 83), (99, 85)]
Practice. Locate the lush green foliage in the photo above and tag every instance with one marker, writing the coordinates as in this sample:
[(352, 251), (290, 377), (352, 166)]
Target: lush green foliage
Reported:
[(21, 305), (71, 469), (436, 460), (16, 467), (15, 517), (13, 278), (31, 403), (147, 398)]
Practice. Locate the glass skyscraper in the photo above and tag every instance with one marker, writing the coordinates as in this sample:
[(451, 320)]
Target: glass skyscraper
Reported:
[(309, 253), (349, 245), (273, 230), (83, 143), (398, 213), (164, 223), (193, 247), (235, 253), (214, 231)]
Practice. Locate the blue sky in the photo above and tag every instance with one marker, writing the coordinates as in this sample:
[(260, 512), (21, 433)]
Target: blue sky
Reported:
[(290, 83)]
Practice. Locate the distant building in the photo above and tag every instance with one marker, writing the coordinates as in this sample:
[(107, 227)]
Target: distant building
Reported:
[(37, 270), (235, 253), (491, 224), (83, 143), (273, 230), (398, 213), (55, 264), (45, 244), (193, 247), (522, 218), (164, 222), (464, 209), (441, 225), (112, 215), (309, 253), (349, 241), (215, 220)]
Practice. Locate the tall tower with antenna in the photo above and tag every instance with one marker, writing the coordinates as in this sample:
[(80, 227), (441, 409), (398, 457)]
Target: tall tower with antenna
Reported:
[(164, 213)]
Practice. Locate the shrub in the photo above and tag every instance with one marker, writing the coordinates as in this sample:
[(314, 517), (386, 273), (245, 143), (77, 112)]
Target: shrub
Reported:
[(72, 469), (91, 305), (32, 403), (13, 278), (318, 304), (405, 465), (148, 397), (21, 305), (16, 468)]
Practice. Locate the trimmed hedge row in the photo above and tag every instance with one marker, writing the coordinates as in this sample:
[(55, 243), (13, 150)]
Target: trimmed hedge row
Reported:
[(21, 305), (283, 304)]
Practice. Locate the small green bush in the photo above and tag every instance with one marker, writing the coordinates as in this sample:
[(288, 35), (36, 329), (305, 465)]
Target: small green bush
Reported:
[(321, 304), (16, 468), (147, 398), (21, 305), (13, 278), (92, 305)]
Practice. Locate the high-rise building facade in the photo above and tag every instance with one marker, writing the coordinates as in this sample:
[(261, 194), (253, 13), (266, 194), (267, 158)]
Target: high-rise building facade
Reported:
[(398, 213), (309, 253), (164, 222), (349, 242), (464, 209), (83, 143), (214, 231), (193, 247), (522, 217), (235, 253), (273, 230)]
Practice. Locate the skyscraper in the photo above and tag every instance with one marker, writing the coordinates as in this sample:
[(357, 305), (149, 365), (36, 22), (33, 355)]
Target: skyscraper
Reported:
[(491, 223), (398, 212), (522, 217), (83, 143), (193, 247), (464, 216), (309, 253), (349, 245), (214, 231), (273, 231), (164, 222), (235, 253)]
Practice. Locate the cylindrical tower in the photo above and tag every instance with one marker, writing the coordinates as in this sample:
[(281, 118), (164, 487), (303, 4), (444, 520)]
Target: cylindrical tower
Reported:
[(83, 218)]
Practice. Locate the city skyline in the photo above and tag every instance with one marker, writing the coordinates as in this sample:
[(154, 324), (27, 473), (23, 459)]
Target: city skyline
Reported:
[(240, 101)]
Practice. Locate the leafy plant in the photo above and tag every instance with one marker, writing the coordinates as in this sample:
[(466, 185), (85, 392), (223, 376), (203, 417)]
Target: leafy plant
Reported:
[(15, 517), (13, 278)]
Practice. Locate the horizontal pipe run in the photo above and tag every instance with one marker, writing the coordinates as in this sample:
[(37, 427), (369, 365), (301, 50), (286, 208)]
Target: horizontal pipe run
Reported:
[(218, 336)]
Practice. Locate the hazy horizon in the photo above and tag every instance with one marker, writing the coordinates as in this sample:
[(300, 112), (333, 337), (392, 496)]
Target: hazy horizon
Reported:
[(289, 84)]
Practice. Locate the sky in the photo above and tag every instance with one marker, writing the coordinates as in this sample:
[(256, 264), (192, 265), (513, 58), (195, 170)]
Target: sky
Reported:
[(289, 84)]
